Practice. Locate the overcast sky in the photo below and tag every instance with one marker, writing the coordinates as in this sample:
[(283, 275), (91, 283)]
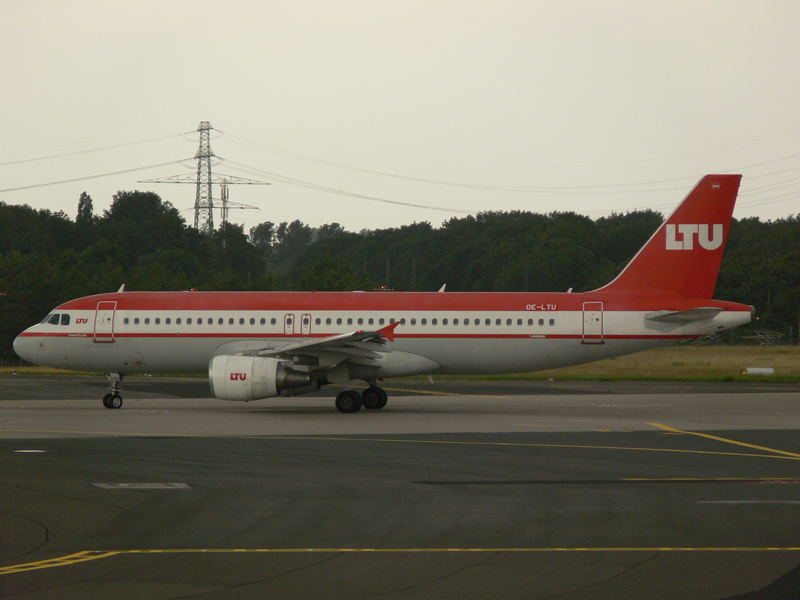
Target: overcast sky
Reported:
[(459, 105)]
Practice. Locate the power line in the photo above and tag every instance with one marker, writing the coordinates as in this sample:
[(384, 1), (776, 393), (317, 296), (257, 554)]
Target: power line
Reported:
[(703, 152), (341, 192), (87, 177), (598, 188), (87, 151)]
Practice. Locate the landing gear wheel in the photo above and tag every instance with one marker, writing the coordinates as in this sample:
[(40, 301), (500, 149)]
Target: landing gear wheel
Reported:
[(374, 398), (348, 401), (112, 401)]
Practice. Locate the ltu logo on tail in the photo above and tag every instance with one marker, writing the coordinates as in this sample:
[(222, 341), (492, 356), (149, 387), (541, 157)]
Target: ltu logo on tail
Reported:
[(681, 237)]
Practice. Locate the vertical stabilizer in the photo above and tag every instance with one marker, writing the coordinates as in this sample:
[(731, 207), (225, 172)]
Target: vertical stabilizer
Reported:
[(684, 254)]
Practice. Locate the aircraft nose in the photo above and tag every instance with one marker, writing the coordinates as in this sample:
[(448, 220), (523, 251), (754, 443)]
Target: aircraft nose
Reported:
[(22, 347)]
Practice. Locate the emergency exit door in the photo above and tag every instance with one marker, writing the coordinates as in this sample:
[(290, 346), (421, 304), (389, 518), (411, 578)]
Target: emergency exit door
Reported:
[(288, 324), (592, 323)]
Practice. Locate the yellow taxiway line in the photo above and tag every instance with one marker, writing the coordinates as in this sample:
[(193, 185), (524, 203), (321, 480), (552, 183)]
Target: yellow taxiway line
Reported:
[(717, 438), (89, 555), (527, 445)]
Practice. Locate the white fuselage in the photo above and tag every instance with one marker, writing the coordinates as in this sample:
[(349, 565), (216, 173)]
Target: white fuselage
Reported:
[(476, 341)]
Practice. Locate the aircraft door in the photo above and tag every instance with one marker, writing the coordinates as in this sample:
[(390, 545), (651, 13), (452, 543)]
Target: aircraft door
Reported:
[(104, 321), (592, 323), (305, 324), (288, 324)]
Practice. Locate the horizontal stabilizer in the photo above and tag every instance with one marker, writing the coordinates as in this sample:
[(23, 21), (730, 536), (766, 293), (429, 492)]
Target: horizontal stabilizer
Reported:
[(692, 314)]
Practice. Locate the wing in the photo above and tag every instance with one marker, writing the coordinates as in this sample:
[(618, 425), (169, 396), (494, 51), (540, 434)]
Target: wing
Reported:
[(358, 347)]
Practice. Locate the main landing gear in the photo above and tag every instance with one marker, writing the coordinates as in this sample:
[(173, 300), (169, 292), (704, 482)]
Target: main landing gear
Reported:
[(372, 398), (113, 398)]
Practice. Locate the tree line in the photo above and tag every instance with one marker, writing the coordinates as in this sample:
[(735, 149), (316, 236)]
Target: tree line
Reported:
[(140, 240)]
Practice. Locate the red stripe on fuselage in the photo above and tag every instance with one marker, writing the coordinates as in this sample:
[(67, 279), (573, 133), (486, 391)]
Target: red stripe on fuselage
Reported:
[(390, 301)]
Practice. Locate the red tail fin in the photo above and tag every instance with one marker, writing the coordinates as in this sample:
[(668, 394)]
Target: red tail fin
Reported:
[(684, 254)]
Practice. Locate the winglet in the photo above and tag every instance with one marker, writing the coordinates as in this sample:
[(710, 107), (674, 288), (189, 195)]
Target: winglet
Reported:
[(388, 331)]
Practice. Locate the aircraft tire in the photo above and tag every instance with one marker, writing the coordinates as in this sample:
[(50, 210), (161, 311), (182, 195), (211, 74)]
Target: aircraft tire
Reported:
[(374, 398), (107, 400), (348, 401), (115, 402), (371, 398)]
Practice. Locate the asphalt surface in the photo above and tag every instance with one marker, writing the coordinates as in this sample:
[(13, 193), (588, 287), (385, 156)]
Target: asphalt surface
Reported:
[(455, 490)]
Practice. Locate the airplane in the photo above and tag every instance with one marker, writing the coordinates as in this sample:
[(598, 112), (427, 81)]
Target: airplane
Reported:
[(257, 345)]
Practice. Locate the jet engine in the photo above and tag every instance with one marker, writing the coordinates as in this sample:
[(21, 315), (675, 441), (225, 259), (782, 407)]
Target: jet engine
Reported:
[(234, 377)]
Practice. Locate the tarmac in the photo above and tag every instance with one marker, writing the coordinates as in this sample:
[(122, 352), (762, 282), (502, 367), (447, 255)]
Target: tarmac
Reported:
[(457, 489)]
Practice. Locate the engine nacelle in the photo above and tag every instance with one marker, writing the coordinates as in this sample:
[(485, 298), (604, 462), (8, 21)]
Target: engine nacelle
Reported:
[(234, 377)]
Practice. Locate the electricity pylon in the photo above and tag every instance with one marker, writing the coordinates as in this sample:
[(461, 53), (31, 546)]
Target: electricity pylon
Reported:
[(204, 180)]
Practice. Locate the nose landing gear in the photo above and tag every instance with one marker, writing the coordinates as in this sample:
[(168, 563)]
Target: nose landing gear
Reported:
[(113, 399)]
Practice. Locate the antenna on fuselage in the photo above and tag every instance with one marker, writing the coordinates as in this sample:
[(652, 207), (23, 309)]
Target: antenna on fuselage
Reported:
[(121, 289)]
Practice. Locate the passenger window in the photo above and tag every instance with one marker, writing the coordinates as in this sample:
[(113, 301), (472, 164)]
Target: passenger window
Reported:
[(541, 321), (273, 321), (167, 321), (402, 321), (178, 321), (317, 321), (508, 321), (519, 322), (360, 320), (350, 321), (126, 320), (328, 321), (65, 319), (455, 321), (136, 321), (466, 322), (478, 321), (434, 321), (381, 321), (252, 321), (158, 321), (530, 321), (424, 322), (444, 322), (498, 322), (552, 321), (339, 321), (305, 321), (189, 321), (241, 321), (54, 319), (147, 320), (413, 321)]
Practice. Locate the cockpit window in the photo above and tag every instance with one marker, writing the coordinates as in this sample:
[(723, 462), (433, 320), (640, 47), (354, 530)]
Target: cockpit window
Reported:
[(65, 319), (53, 320), (46, 319)]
